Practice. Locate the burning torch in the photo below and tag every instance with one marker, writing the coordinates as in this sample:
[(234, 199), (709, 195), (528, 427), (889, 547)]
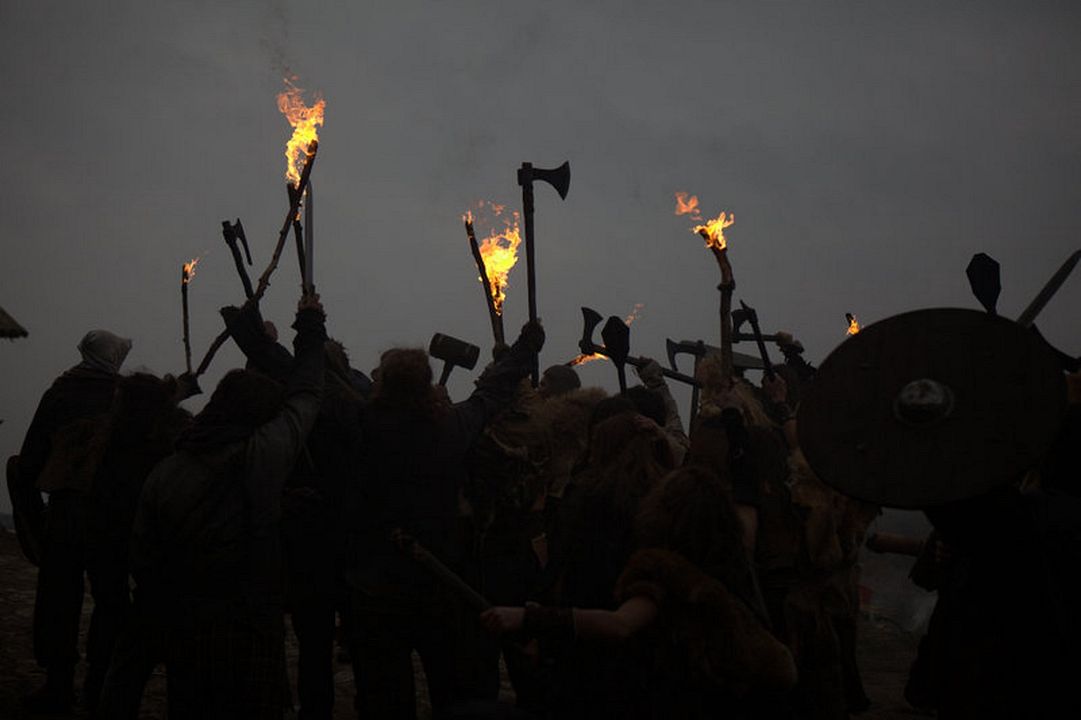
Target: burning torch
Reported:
[(187, 272), (301, 148)]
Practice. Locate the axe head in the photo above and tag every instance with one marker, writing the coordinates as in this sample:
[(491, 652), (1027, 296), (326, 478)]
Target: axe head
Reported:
[(739, 317), (239, 228), (559, 178), (985, 279), (590, 320), (617, 339), (687, 347), (453, 351)]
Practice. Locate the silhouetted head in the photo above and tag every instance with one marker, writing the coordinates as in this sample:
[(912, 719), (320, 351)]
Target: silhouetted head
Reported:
[(104, 351), (647, 403), (557, 380), (691, 512), (403, 380), (244, 399)]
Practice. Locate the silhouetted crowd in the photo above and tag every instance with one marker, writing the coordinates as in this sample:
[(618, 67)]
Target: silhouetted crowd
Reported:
[(620, 567)]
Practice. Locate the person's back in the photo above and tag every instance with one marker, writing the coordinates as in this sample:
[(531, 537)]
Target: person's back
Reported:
[(206, 546)]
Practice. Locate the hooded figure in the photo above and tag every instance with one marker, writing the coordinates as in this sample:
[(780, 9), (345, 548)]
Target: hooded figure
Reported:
[(57, 457)]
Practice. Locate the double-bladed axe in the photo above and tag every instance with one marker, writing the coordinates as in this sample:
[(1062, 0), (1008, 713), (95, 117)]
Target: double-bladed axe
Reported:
[(591, 319), (560, 179), (454, 353)]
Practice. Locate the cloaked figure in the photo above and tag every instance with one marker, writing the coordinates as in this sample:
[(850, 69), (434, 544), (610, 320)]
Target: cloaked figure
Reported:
[(57, 458)]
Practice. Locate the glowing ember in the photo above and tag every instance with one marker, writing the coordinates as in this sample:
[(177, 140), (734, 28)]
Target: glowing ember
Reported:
[(853, 324), (583, 359), (499, 250), (687, 204), (636, 314), (304, 120), (189, 270)]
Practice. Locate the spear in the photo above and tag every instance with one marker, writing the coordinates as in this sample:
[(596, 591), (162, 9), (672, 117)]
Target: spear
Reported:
[(264, 279)]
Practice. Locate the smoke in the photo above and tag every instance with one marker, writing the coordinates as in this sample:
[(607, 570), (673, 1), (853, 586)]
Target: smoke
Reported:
[(274, 36)]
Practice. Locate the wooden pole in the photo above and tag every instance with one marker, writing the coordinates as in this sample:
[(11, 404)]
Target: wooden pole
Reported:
[(726, 287), (185, 278), (493, 315)]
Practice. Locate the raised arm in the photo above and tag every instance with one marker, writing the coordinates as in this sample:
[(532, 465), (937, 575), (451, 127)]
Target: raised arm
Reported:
[(274, 447)]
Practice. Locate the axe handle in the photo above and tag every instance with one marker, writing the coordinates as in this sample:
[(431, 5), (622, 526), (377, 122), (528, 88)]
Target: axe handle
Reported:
[(229, 233), (530, 264), (673, 374), (695, 394)]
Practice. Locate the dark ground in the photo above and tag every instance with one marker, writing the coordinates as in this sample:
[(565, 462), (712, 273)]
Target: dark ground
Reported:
[(885, 653)]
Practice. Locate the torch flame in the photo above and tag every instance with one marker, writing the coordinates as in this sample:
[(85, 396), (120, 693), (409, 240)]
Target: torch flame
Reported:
[(853, 324), (583, 359), (304, 120), (687, 204), (713, 231), (189, 270), (499, 251)]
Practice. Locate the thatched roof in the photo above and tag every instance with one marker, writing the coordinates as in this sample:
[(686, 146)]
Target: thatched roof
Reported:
[(9, 328)]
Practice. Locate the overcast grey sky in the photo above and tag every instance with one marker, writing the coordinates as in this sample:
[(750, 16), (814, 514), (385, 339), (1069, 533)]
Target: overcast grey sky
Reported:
[(867, 149)]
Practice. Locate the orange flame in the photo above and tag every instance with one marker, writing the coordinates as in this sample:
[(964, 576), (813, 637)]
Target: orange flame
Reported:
[(583, 359), (189, 270), (499, 250), (636, 313), (687, 204), (304, 120), (713, 231), (853, 324)]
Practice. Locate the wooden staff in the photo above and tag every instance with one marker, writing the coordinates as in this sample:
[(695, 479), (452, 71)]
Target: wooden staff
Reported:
[(264, 279), (298, 229), (493, 314), (727, 286), (185, 278), (446, 577)]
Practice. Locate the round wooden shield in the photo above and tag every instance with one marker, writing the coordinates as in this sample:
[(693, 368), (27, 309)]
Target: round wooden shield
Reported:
[(930, 407)]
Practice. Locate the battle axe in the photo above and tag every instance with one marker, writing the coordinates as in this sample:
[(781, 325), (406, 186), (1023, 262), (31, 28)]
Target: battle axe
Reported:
[(741, 316), (560, 179), (454, 353), (617, 346), (752, 318), (590, 320), (699, 349), (233, 232)]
